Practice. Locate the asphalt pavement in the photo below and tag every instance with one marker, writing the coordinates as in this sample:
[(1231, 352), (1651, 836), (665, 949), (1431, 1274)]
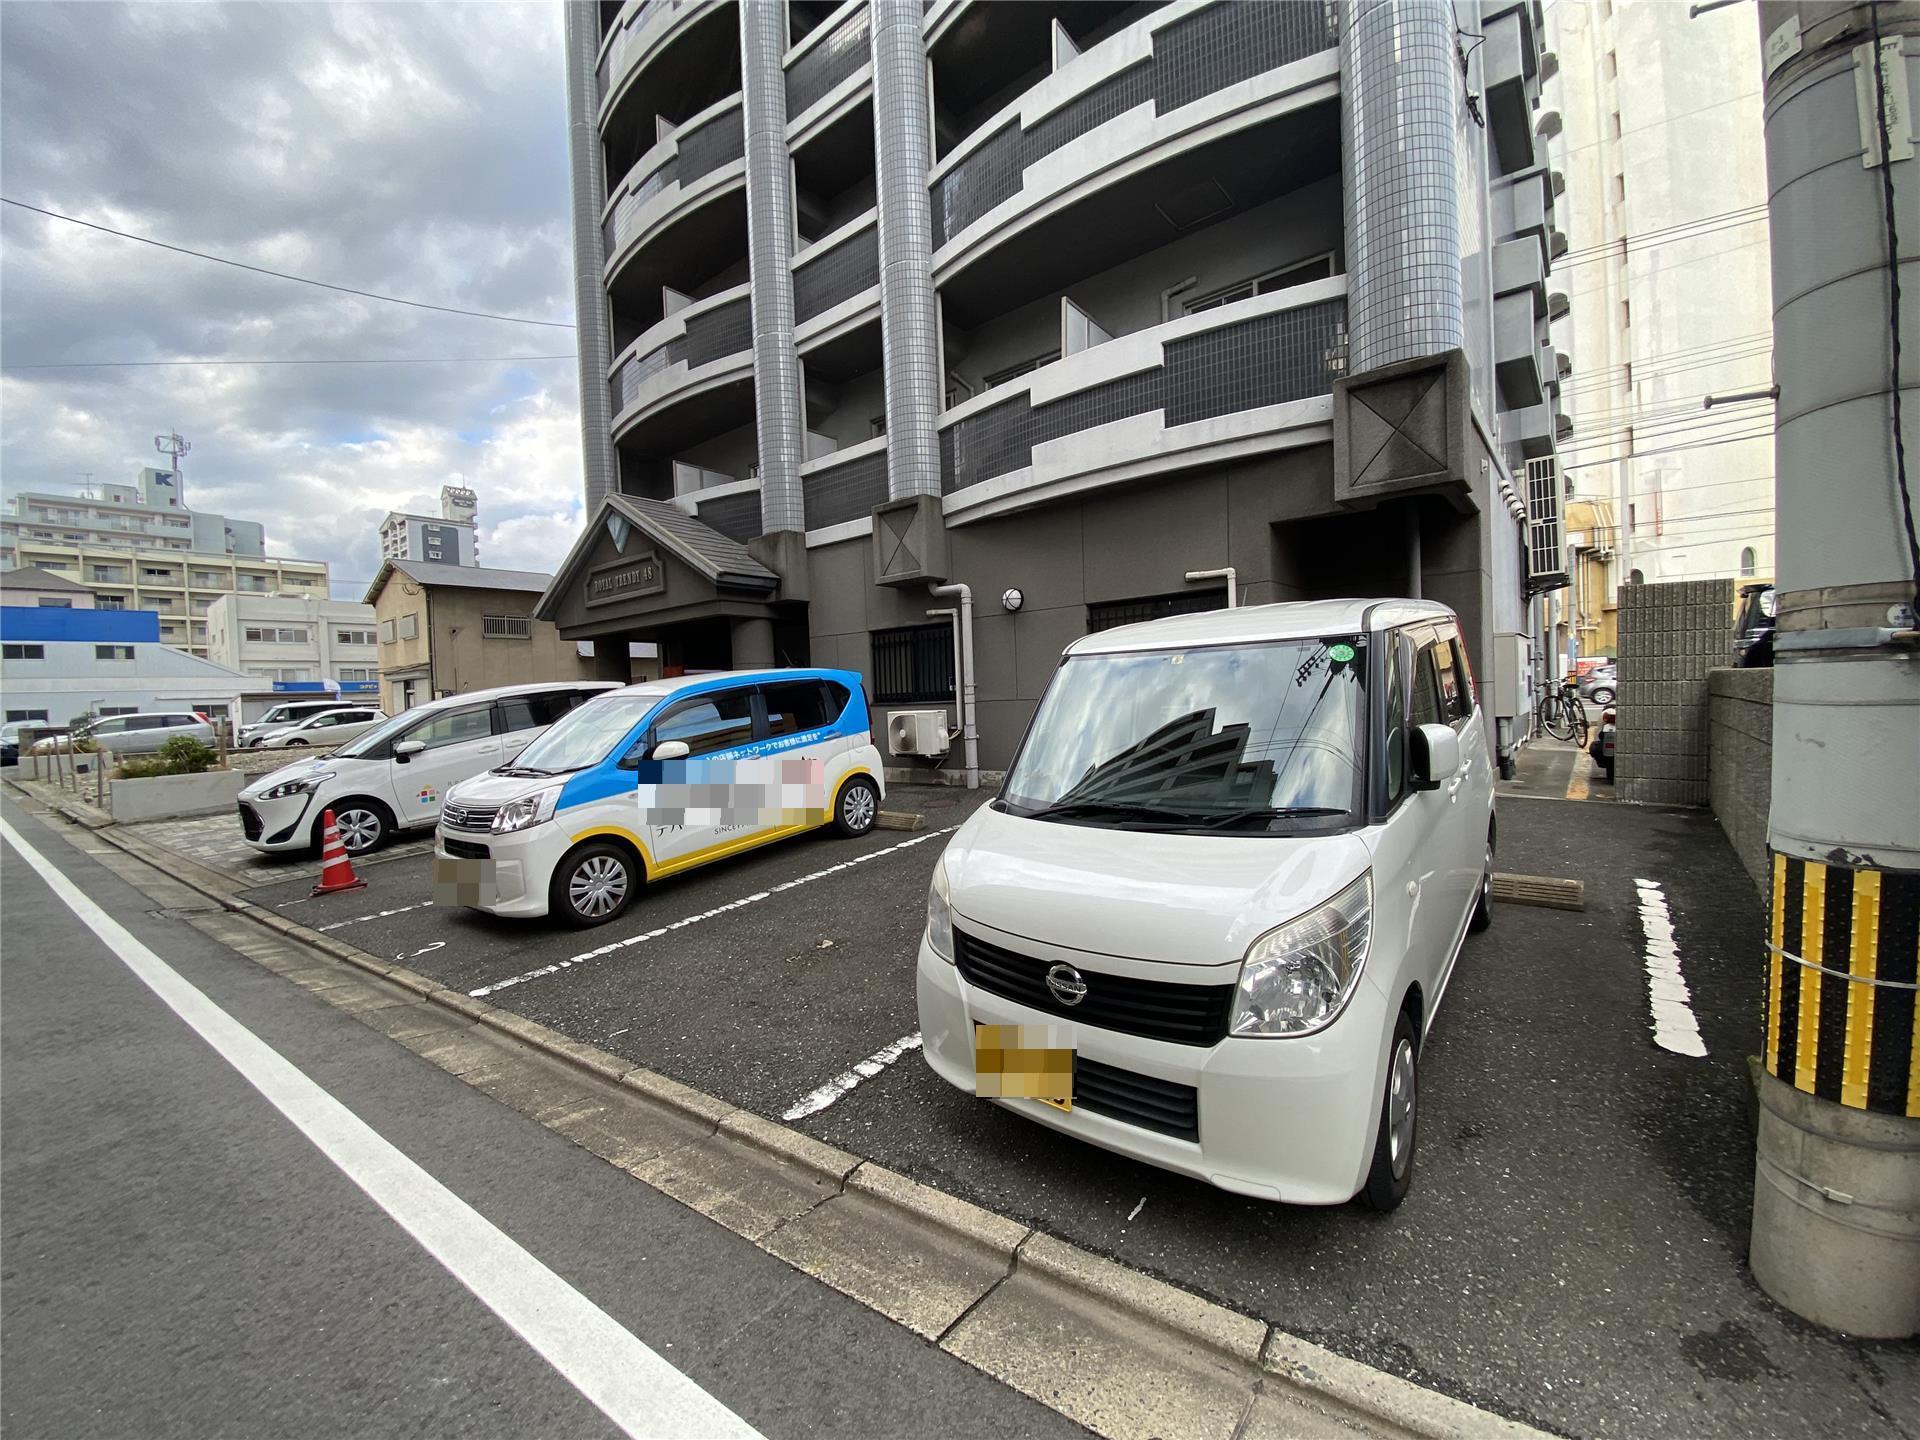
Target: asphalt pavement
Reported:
[(180, 1260), (1572, 1254)]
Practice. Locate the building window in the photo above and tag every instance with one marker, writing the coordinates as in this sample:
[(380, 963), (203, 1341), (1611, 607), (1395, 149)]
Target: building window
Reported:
[(277, 634), (1613, 125), (1635, 577), (1748, 563), (47, 602), (507, 627), (113, 652), (1299, 273), (354, 637), (23, 652), (386, 632), (26, 716), (1620, 189), (1025, 367), (109, 602), (914, 662), (1626, 315), (108, 711), (409, 625), (358, 672), (1109, 613)]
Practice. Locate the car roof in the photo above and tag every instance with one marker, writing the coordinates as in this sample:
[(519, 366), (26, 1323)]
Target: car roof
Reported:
[(501, 692), (1249, 624), (673, 685)]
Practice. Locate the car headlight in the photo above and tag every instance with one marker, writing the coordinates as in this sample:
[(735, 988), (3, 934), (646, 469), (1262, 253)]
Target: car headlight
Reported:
[(940, 915), (1298, 978), (305, 785), (534, 809)]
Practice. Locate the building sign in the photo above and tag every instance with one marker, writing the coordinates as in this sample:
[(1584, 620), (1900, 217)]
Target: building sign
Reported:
[(624, 579)]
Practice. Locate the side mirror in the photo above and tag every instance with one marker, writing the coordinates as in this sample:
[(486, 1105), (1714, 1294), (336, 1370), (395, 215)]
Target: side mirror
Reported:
[(405, 750), (671, 750), (1433, 756)]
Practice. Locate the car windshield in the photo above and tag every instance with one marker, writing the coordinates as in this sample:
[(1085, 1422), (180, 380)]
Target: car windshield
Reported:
[(585, 735), (1243, 737), (368, 741)]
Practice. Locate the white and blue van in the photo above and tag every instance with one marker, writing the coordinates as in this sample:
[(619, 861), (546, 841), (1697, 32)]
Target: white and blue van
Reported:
[(652, 779)]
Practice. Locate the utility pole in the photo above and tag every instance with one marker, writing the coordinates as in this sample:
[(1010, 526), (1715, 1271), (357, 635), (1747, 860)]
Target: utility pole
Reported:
[(1836, 1213)]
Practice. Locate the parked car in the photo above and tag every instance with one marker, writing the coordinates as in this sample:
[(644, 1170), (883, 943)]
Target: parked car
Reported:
[(394, 776), (600, 804), (323, 727), (1600, 684), (286, 713), (10, 742), (1232, 865), (133, 734), (1753, 627), (1600, 747)]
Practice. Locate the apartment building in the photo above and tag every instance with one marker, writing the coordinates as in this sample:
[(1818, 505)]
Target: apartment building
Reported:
[(305, 642), (1664, 297), (1097, 308), (448, 538), (138, 547)]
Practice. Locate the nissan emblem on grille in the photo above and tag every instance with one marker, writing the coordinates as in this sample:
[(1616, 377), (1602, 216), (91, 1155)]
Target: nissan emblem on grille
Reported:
[(1066, 984)]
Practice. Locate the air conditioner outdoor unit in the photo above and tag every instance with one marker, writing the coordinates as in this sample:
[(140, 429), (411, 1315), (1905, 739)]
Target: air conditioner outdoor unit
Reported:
[(917, 732)]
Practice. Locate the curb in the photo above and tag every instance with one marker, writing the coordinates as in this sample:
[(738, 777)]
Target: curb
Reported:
[(1149, 1314)]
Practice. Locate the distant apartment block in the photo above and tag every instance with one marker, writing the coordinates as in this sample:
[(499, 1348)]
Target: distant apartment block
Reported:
[(446, 539), (289, 641)]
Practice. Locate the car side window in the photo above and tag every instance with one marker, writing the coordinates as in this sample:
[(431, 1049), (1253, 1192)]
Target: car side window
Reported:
[(707, 723), (450, 727), (527, 712), (1467, 694), (1423, 696), (1453, 708), (1395, 749), (796, 706)]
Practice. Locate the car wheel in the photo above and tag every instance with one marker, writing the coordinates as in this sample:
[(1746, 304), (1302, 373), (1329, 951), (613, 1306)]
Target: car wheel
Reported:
[(1602, 695), (1392, 1171), (592, 886), (1607, 766), (1483, 907), (364, 826), (858, 807)]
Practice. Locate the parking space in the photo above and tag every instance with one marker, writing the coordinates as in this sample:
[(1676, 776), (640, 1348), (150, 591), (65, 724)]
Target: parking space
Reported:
[(1574, 1246)]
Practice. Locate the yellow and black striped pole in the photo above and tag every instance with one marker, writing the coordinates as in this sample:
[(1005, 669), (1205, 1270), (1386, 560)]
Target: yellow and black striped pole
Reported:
[(1842, 965)]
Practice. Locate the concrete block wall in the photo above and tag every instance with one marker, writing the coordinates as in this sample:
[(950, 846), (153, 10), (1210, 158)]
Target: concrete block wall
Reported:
[(1740, 761), (1671, 636)]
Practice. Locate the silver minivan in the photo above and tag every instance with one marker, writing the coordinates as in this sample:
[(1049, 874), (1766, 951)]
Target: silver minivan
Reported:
[(143, 734)]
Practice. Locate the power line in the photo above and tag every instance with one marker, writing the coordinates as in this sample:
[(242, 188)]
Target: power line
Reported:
[(1658, 269), (283, 275), (1762, 434), (398, 360), (1627, 246), (1653, 125)]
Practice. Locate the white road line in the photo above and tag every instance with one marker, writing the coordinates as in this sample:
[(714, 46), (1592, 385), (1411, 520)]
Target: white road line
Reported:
[(376, 915), (1674, 1027), (844, 1083), (635, 1388), (742, 903)]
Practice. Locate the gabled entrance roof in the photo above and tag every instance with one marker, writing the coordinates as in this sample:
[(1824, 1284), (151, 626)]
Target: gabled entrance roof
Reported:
[(629, 526)]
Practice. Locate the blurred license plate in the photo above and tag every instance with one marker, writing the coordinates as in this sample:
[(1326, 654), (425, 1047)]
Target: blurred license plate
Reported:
[(1030, 1062)]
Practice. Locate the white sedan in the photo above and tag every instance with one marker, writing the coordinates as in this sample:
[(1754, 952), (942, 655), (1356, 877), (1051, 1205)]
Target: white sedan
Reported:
[(329, 727)]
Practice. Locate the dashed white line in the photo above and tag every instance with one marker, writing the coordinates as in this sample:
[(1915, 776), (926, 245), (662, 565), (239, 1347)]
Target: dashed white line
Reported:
[(846, 1081), (1674, 1027), (740, 904), (376, 915)]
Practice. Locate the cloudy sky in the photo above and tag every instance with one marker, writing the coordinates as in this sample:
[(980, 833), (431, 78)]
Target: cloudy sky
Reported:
[(413, 150)]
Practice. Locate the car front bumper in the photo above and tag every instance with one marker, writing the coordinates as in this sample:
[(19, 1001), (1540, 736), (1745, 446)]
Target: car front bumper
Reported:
[(276, 825), (499, 874), (1289, 1119)]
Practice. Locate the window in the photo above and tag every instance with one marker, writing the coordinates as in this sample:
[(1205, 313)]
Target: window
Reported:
[(1610, 65), (23, 652), (708, 723), (1455, 705), (1318, 268), (357, 672), (451, 727), (277, 634), (1636, 577), (1025, 367), (506, 627), (355, 637), (1619, 189), (914, 662), (1395, 768), (1109, 613), (1613, 126), (152, 572), (528, 712), (1423, 699), (1626, 315), (48, 603), (801, 705), (386, 632), (26, 717), (1748, 562), (113, 652), (409, 625)]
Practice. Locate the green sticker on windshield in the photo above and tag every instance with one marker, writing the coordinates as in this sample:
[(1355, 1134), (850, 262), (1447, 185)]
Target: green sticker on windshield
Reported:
[(1341, 653)]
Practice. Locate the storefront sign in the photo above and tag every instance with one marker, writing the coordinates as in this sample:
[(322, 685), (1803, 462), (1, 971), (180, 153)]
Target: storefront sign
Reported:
[(624, 579)]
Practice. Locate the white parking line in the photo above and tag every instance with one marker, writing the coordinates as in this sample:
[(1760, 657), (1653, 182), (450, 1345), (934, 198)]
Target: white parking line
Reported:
[(1674, 1027), (636, 1389), (741, 903), (376, 915), (844, 1083)]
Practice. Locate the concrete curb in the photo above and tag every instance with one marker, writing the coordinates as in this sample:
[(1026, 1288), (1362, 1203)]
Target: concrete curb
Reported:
[(1140, 1319)]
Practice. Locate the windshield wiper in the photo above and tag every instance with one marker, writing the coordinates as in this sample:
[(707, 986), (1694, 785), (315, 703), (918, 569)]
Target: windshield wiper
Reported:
[(1068, 808), (528, 771), (1282, 812)]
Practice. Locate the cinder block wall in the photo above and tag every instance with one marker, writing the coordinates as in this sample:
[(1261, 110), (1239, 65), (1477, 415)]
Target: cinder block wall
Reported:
[(1671, 635), (1740, 761)]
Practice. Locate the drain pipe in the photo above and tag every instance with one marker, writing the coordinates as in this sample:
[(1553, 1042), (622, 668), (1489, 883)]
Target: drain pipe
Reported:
[(1225, 573), (952, 617), (969, 735)]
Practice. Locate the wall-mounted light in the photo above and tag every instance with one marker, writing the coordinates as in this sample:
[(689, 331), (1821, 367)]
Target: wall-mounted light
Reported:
[(1012, 601)]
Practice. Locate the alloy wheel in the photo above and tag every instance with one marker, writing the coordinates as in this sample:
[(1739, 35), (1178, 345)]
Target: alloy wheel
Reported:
[(858, 807), (1400, 1108), (597, 886)]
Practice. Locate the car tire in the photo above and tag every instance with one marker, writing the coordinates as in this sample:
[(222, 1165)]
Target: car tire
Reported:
[(858, 807), (1391, 1174), (364, 825), (1602, 695), (1607, 767), (292, 743), (1483, 906), (592, 885)]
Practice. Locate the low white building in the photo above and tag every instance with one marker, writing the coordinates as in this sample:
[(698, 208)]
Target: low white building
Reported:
[(306, 641), (58, 665)]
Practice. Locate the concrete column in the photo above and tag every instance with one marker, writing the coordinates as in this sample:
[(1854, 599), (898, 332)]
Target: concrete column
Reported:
[(1398, 82), (1836, 1214), (909, 314), (778, 393), (592, 318), (752, 644)]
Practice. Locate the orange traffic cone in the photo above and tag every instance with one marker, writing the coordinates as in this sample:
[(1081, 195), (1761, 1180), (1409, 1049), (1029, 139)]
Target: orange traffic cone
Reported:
[(336, 871)]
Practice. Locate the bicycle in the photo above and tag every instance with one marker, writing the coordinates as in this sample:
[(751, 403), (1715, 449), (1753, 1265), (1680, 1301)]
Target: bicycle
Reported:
[(1560, 713)]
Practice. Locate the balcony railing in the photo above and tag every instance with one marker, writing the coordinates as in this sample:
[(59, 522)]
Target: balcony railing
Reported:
[(631, 39), (1242, 364), (836, 273), (828, 60), (1192, 57), (699, 150), (712, 334), (843, 490)]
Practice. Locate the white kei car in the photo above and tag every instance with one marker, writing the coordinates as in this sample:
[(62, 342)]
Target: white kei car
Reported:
[(1230, 871)]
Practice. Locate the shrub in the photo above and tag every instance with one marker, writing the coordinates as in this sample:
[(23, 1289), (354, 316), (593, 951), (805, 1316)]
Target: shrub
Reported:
[(182, 755)]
